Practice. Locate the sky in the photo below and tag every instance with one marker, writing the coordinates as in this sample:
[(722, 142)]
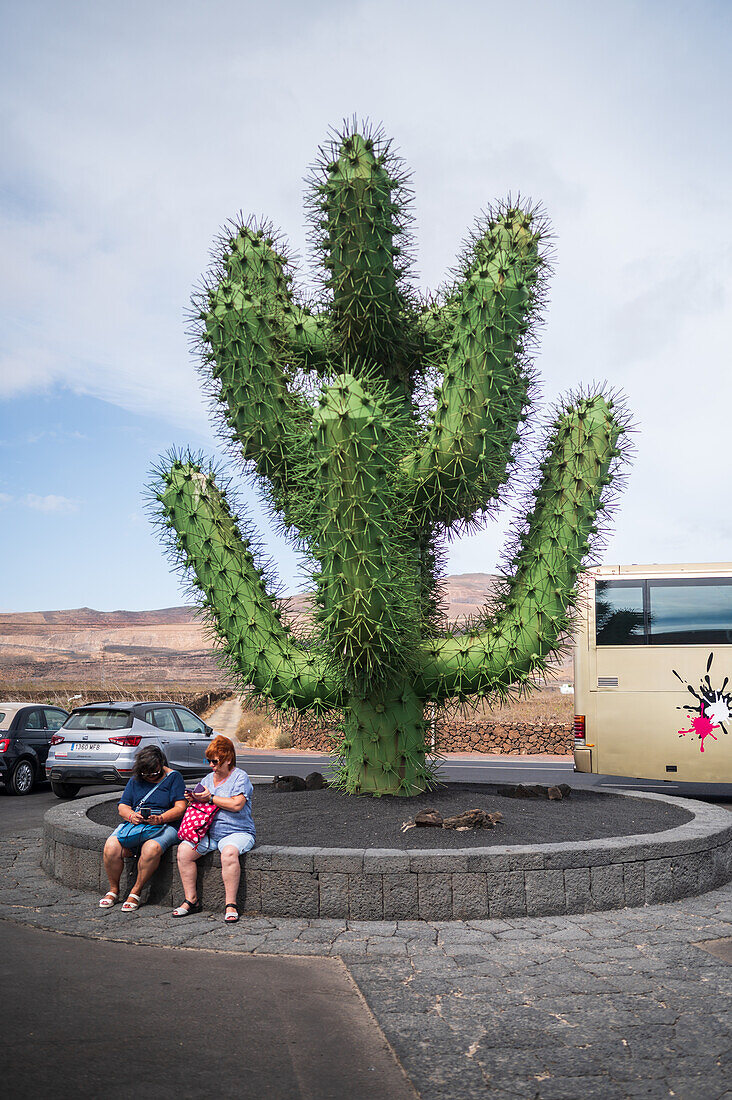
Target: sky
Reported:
[(132, 132)]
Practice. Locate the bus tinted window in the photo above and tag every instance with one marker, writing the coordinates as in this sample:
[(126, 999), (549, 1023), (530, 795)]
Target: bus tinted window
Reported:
[(619, 613), (696, 613)]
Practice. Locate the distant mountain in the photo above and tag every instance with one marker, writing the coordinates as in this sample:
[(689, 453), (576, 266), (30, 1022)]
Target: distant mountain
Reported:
[(170, 645), (102, 648), (88, 617)]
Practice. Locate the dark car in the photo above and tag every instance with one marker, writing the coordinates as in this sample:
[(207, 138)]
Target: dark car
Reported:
[(26, 730), (98, 743)]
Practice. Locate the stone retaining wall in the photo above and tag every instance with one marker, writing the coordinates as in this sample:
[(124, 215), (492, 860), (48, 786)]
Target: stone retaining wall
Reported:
[(454, 735), (510, 737), (459, 884), (198, 701)]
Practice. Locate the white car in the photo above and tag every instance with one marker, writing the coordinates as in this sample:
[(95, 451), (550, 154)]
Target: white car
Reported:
[(97, 743)]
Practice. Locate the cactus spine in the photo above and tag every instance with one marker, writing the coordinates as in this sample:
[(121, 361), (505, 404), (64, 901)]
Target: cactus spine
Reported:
[(326, 402)]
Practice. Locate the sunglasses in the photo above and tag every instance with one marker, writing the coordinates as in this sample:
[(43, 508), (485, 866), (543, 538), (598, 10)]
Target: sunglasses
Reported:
[(214, 760), (151, 775)]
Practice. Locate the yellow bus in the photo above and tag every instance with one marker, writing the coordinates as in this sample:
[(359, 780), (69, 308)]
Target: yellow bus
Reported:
[(653, 673)]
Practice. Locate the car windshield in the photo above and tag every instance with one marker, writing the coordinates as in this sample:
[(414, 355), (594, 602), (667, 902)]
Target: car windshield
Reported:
[(2, 715), (99, 719)]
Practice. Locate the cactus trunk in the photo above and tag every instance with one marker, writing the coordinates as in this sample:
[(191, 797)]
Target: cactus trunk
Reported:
[(384, 743), (328, 403)]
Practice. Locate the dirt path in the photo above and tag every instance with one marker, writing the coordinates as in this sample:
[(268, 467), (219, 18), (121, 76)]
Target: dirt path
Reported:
[(225, 719)]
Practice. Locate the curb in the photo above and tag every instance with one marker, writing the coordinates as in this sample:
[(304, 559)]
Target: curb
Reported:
[(437, 884)]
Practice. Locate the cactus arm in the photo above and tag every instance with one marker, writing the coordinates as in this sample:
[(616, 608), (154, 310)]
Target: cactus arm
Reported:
[(357, 221), (544, 569), (479, 334), (367, 585), (247, 316), (308, 335), (252, 261), (258, 648)]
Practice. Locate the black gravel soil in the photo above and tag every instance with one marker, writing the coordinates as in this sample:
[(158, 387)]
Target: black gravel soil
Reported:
[(329, 819)]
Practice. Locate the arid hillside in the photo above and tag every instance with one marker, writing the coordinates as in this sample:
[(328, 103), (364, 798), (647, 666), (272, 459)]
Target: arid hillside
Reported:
[(104, 649), (84, 648)]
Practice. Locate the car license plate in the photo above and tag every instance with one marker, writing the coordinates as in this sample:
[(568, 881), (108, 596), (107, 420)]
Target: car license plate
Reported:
[(85, 746)]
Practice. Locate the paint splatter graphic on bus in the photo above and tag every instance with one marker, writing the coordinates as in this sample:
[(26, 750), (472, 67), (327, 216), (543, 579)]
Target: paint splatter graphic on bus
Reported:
[(712, 709), (702, 726)]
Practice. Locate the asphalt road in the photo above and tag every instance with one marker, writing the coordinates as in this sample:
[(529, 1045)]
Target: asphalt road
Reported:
[(85, 1018), (17, 814), (509, 769)]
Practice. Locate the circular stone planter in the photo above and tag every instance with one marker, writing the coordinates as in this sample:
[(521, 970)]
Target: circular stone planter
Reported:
[(436, 884)]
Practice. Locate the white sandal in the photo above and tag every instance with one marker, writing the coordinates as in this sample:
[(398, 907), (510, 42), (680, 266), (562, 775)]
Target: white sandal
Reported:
[(130, 906), (110, 898)]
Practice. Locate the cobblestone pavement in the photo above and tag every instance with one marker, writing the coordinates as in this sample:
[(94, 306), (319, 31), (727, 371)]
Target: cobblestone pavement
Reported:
[(609, 1005)]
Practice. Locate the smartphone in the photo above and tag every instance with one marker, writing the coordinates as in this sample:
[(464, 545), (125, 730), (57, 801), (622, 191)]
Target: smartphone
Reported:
[(145, 812), (199, 789)]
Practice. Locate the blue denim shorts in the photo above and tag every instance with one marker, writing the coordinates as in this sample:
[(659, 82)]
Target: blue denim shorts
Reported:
[(166, 839), (241, 841)]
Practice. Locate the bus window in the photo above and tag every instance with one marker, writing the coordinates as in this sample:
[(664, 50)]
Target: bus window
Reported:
[(697, 612), (619, 613)]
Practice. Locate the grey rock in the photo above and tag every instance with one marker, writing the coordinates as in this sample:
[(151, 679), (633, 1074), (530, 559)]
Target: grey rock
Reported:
[(634, 883), (343, 860), (577, 890), (506, 894), (333, 894), (286, 892), (437, 861), (383, 860), (544, 892), (401, 899), (606, 887), (283, 858), (659, 885), (365, 897), (435, 896), (469, 896)]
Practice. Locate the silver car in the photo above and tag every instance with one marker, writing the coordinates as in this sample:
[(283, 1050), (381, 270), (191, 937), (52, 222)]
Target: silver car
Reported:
[(97, 743)]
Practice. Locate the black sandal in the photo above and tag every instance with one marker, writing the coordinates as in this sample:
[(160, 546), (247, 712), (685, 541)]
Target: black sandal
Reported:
[(193, 907), (231, 918)]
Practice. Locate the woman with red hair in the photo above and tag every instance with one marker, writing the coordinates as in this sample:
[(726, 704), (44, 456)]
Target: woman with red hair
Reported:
[(232, 830)]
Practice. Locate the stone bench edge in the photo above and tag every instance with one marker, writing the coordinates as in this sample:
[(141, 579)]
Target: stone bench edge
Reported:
[(432, 884)]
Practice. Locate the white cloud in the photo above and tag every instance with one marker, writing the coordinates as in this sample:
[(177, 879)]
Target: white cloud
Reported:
[(53, 435), (50, 503), (127, 151)]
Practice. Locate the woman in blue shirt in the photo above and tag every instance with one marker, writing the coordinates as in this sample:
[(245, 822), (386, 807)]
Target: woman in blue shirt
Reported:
[(156, 787), (232, 829)]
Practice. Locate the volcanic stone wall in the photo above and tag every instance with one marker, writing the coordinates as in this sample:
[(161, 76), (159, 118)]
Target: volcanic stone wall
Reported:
[(200, 702), (458, 735), (513, 737)]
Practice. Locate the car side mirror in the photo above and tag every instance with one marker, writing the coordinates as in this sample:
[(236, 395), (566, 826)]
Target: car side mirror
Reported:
[(208, 730)]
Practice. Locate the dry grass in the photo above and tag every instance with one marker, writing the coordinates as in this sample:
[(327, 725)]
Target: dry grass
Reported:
[(258, 732), (256, 729), (545, 705)]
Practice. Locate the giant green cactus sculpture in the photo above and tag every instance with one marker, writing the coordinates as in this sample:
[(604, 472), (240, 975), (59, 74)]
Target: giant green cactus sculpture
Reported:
[(330, 404)]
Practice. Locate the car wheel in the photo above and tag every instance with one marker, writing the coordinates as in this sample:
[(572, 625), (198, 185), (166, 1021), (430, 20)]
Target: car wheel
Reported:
[(64, 790), (21, 777)]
